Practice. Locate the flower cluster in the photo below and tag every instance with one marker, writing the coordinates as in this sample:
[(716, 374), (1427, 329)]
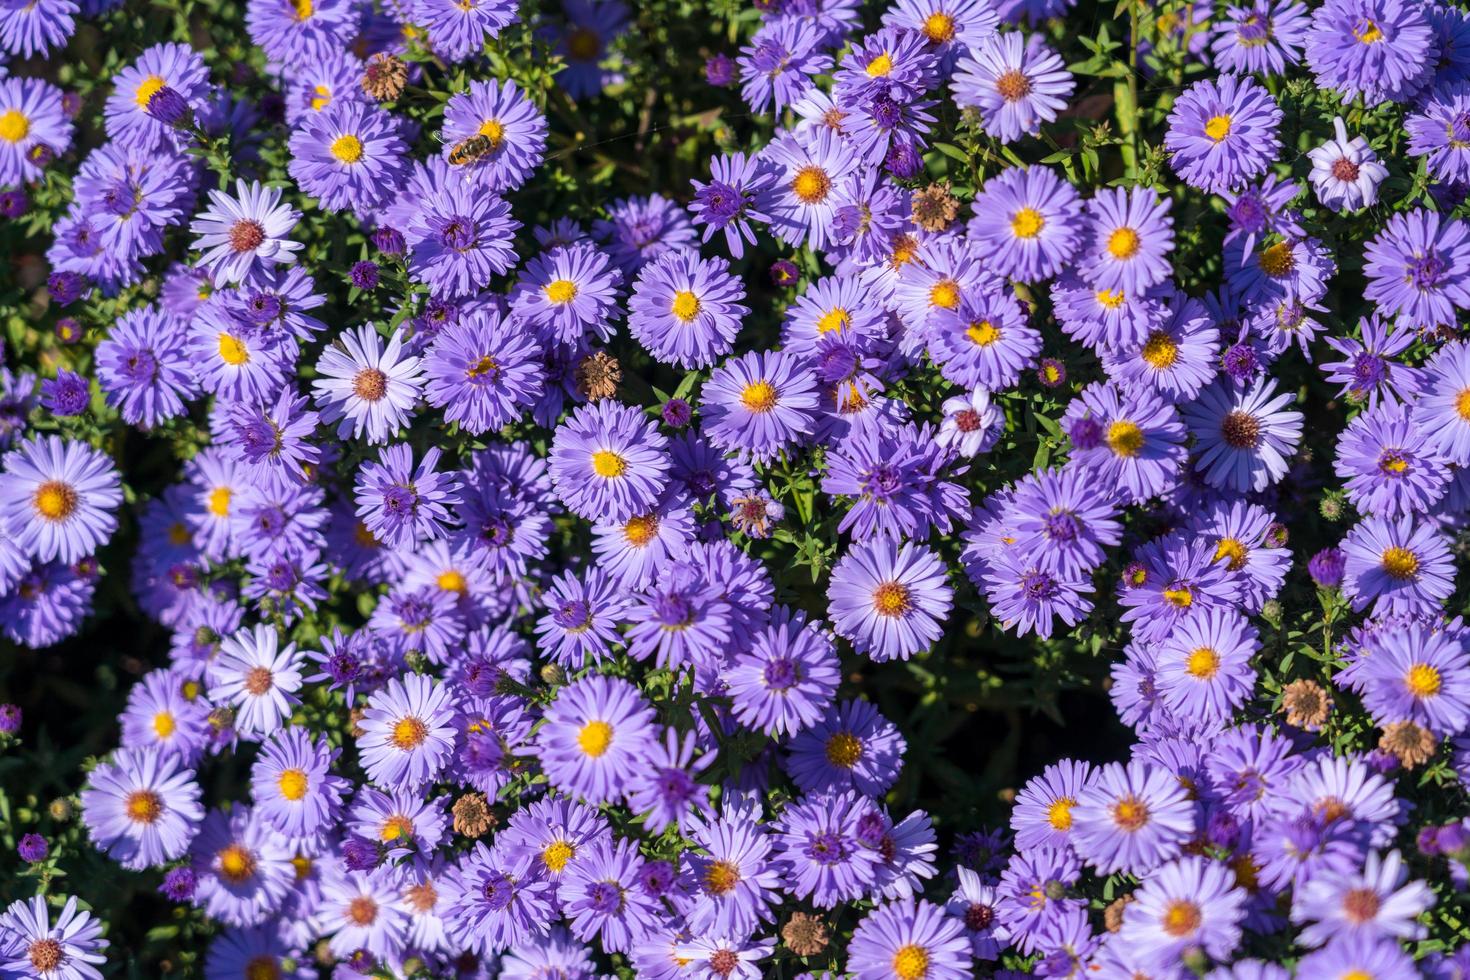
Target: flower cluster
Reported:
[(540, 585)]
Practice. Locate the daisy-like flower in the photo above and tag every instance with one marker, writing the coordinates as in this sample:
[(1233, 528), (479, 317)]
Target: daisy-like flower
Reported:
[(1266, 36), (1417, 675), (1370, 48), (985, 341), (458, 29), (909, 940), (602, 898), (1243, 436), (580, 624), (407, 731), (271, 438), (491, 904), (369, 388), (596, 737), (1177, 358), (258, 678), (812, 166), (31, 117), (1027, 597), (58, 499), (501, 114), (1223, 133), (818, 850), (1355, 956), (739, 193), (1015, 81), (852, 747), (759, 402), (403, 504), (177, 67), (686, 310), (483, 371), (1029, 221), (244, 237), (1418, 268), (296, 31), (1191, 903), (293, 786), (34, 28), (778, 65), (949, 26), (1131, 818), (349, 155), (568, 292), (635, 550), (972, 424), (609, 461), (1400, 566), (1131, 234), (244, 868), (727, 959), (1345, 171), (460, 237), (143, 367), (787, 678), (1442, 412), (1388, 464), (888, 61), (1042, 815), (30, 946), (1133, 442), (889, 600), (842, 307), (638, 230), (1440, 132), (160, 717), (142, 807), (736, 880), (1377, 901), (1203, 668), (665, 789)]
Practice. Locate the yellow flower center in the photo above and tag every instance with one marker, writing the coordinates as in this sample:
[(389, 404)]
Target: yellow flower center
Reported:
[(409, 733), (1180, 598), (1234, 550), (55, 501), (640, 530), (1109, 299), (595, 737), (1124, 438), (219, 501), (1422, 681), (14, 126), (758, 396), (608, 464), (983, 333), (292, 783), (836, 319), (304, 9), (844, 750), (945, 294), (686, 305), (561, 291), (1400, 563), (164, 724), (347, 148), (891, 599), (1217, 127), (451, 581), (1130, 813), (147, 89), (557, 854), (881, 66), (1368, 33), (721, 877), (1123, 243), (493, 131), (939, 27), (263, 968), (1462, 404), (1277, 260), (1203, 663), (236, 864), (395, 827), (1027, 223), (1182, 918), (811, 185), (1059, 814), (911, 962), (322, 98), (1159, 351), (144, 806), (232, 351)]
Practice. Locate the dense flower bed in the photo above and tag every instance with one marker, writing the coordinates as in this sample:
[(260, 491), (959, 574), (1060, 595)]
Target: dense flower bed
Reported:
[(681, 490)]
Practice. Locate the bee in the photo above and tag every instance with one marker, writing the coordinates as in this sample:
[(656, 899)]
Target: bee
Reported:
[(470, 149)]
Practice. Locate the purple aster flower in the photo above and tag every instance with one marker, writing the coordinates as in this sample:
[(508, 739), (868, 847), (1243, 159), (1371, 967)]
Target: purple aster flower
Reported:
[(1133, 442), (31, 125), (292, 785), (1418, 268), (403, 504), (349, 156), (852, 747), (1388, 465), (596, 737), (1370, 48), (1029, 221), (608, 461), (144, 369), (950, 27), (812, 168), (492, 903), (676, 413), (569, 292), (786, 679), (1175, 578), (273, 437), (1131, 234), (65, 288), (1260, 208), (1419, 676), (972, 424), (58, 499), (1190, 904), (1177, 359), (1440, 132), (1358, 953), (1327, 567), (1442, 412), (502, 115), (686, 310), (32, 848), (1243, 436), (818, 851), (1223, 133), (142, 808), (1369, 372), (985, 341), (179, 884), (740, 192), (890, 61), (458, 29), (1346, 172), (598, 896), (30, 946), (719, 70), (257, 678), (369, 388), (638, 230), (1131, 818), (244, 236), (483, 371), (159, 716), (910, 940), (583, 40), (759, 402), (889, 601), (1203, 669), (778, 65), (460, 238), (1029, 598), (294, 32), (10, 718), (1015, 81), (1042, 816), (1266, 37), (407, 734), (67, 394), (665, 790), (364, 275), (1373, 902), (1400, 566)]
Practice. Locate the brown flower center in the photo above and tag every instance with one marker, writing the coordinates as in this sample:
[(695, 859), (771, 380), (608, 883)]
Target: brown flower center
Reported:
[(246, 235), (370, 384), (1240, 430)]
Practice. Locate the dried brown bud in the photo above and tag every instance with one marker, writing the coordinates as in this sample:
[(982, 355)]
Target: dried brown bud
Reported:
[(805, 935), (472, 816), (1306, 704), (1410, 744), (1113, 914), (384, 77), (598, 376), (935, 208)]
